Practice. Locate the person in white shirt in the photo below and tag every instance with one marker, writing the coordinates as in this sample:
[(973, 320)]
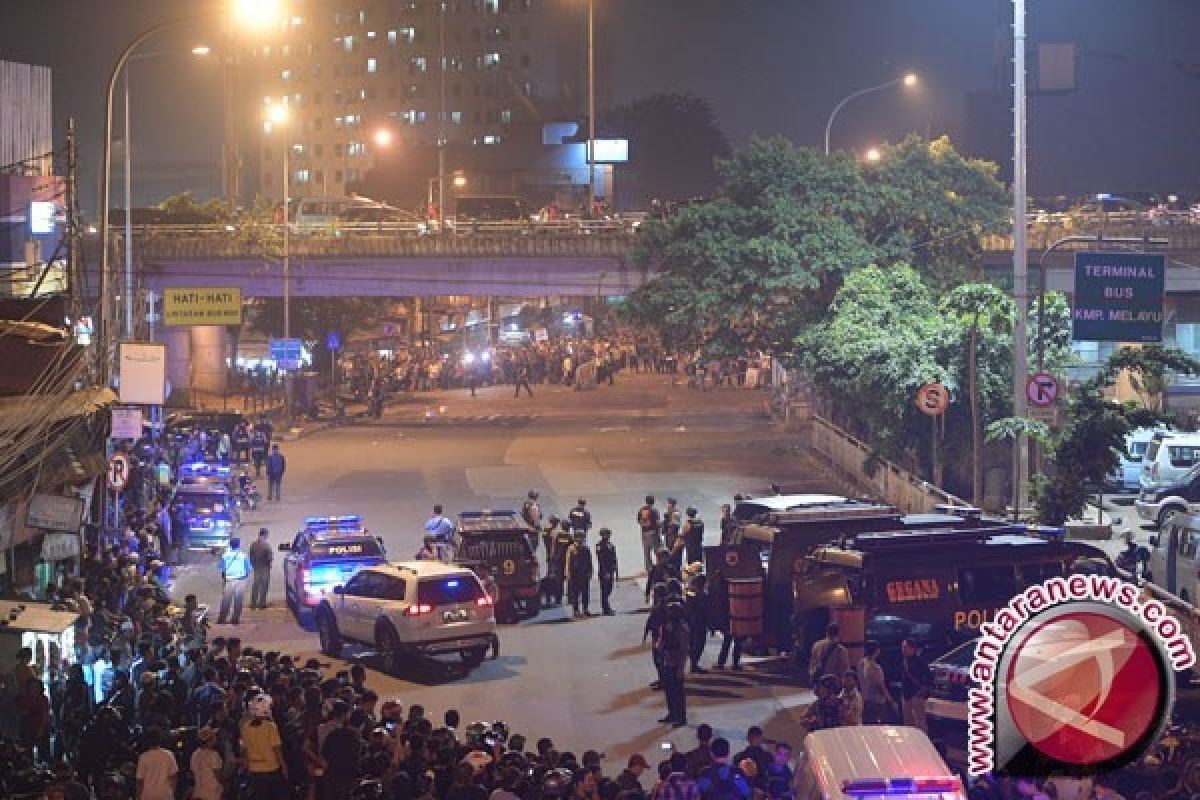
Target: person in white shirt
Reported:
[(206, 767), (157, 771)]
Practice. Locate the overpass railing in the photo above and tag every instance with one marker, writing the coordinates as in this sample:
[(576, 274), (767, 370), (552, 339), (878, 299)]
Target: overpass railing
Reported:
[(1040, 235), (598, 239)]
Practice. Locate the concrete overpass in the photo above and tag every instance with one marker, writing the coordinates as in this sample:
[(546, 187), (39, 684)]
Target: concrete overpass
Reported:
[(515, 262)]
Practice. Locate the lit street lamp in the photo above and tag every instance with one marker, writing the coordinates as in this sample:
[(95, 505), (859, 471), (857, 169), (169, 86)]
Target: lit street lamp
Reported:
[(252, 13), (873, 155), (277, 117), (383, 137), (909, 80)]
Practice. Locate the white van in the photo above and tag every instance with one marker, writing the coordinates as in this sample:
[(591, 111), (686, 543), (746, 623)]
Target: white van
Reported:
[(1128, 475), (874, 762), (1168, 457), (1174, 562)]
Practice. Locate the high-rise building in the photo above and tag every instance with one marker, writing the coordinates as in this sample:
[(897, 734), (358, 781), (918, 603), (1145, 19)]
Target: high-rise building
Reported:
[(367, 79)]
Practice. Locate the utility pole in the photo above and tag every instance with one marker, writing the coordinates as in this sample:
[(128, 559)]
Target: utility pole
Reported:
[(1020, 253), (76, 290), (441, 142)]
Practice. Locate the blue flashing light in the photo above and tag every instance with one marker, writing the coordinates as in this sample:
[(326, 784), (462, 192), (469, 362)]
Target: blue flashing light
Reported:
[(452, 584), (348, 523)]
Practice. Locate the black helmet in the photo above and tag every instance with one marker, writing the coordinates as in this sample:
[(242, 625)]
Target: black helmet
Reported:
[(691, 511), (556, 783), (649, 499)]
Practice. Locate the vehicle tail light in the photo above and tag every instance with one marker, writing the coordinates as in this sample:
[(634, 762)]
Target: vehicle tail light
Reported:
[(416, 610), (945, 784), (486, 600)]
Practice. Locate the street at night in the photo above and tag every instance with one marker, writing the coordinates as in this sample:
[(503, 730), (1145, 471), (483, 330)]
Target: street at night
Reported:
[(599, 400)]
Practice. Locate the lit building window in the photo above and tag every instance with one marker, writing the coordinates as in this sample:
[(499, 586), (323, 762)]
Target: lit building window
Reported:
[(372, 65), (297, 149), (491, 138), (393, 36), (491, 6), (297, 22), (285, 74), (300, 176), (506, 116), (409, 116), (370, 34), (456, 117), (491, 59), (267, 51), (347, 43), (419, 64), (296, 98), (408, 34), (355, 148), (362, 17)]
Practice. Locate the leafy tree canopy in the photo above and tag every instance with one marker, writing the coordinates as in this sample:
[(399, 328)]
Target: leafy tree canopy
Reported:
[(764, 259), (1089, 445)]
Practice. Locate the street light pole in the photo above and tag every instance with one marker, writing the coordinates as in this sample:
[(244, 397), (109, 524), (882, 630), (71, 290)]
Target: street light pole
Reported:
[(1020, 254), (128, 218), (591, 151), (908, 80), (104, 322)]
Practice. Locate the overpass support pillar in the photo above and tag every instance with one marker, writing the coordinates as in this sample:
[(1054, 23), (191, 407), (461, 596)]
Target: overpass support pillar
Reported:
[(209, 351), (179, 361)]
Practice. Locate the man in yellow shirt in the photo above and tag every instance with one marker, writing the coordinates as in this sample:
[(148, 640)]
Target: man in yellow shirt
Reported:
[(263, 751)]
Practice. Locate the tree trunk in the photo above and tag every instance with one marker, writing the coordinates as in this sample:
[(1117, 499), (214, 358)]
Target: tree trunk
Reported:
[(976, 432)]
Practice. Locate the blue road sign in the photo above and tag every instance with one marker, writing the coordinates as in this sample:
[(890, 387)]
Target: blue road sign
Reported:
[(287, 353), (333, 341), (1118, 297)]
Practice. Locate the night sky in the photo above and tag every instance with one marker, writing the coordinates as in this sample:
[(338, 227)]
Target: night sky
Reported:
[(768, 67)]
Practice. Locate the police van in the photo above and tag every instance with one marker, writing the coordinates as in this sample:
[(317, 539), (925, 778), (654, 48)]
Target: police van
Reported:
[(327, 553), (781, 539), (936, 586), (496, 546)]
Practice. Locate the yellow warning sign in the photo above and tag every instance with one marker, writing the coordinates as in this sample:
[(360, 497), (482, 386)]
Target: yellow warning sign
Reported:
[(202, 306)]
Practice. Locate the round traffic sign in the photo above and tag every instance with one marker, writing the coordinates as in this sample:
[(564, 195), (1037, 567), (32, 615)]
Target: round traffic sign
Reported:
[(1041, 389), (933, 399), (118, 471)]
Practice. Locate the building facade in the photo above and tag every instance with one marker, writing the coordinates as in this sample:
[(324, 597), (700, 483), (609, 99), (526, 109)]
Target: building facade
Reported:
[(364, 80)]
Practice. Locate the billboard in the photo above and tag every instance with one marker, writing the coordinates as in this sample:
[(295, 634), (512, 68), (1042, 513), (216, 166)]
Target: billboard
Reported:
[(1118, 297), (202, 306), (143, 373)]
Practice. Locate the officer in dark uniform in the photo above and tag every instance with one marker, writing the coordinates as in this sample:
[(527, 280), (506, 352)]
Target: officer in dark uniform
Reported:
[(654, 621), (557, 564), (699, 619), (693, 537), (579, 576), (606, 568), (579, 519), (670, 523)]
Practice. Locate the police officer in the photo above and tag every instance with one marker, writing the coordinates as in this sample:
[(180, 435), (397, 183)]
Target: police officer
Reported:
[(579, 519), (235, 575), (606, 569), (258, 449), (559, 541), (579, 575), (696, 604), (670, 523), (693, 537)]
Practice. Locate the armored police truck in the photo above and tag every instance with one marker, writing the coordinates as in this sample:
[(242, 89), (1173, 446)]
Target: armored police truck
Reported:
[(936, 586)]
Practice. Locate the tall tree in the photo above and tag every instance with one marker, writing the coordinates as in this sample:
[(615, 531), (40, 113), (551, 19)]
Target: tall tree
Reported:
[(674, 145), (1087, 448), (762, 260)]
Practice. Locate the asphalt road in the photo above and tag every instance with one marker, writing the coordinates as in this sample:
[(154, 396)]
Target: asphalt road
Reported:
[(584, 682)]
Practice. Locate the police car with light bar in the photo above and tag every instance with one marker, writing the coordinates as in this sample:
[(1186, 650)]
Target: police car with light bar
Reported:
[(327, 553)]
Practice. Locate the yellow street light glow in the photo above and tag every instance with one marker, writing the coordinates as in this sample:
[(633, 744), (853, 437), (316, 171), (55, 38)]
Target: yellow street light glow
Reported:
[(258, 13), (277, 114), (910, 79), (383, 137), (873, 154)]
